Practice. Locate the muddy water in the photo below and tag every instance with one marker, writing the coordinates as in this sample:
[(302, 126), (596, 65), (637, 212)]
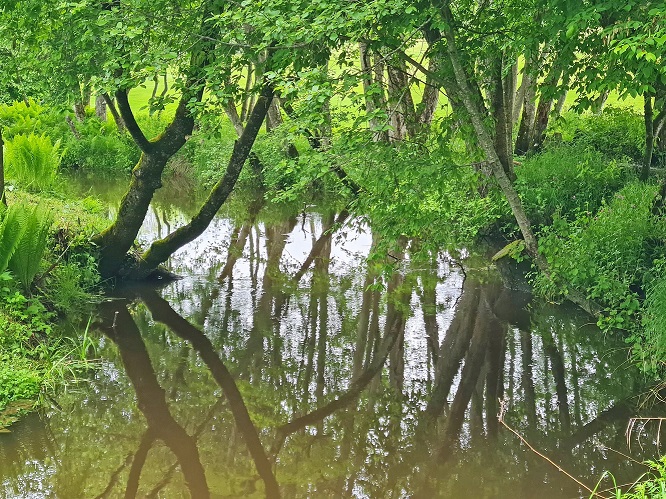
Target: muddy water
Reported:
[(284, 363)]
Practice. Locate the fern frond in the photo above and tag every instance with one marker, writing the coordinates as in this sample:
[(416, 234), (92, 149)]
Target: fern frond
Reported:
[(27, 257), (11, 231)]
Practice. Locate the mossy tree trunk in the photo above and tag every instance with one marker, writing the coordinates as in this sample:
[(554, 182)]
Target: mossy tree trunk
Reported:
[(162, 249), (117, 240)]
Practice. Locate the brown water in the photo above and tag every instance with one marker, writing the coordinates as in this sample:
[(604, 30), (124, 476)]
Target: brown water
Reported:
[(284, 363)]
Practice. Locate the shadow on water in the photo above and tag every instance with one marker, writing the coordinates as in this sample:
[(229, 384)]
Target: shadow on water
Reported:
[(284, 364)]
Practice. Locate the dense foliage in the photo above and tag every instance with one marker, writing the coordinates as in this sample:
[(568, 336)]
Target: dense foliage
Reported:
[(438, 123)]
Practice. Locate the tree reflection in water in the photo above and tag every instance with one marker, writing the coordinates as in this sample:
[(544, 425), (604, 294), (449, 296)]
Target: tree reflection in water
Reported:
[(292, 367)]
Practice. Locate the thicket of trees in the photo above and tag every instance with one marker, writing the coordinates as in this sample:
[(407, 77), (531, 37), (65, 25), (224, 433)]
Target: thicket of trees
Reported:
[(503, 68)]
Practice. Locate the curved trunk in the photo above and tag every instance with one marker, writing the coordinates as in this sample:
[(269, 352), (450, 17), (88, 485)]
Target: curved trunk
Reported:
[(116, 241), (161, 250)]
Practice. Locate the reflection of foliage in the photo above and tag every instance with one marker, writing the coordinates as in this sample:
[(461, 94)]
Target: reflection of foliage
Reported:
[(300, 356)]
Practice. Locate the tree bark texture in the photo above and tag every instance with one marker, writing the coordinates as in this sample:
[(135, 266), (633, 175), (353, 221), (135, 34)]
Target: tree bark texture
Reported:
[(529, 111), (502, 110), (100, 108), (116, 241), (160, 250), (544, 108), (401, 104)]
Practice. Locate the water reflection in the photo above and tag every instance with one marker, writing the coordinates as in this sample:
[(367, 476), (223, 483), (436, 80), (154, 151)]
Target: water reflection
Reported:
[(285, 364)]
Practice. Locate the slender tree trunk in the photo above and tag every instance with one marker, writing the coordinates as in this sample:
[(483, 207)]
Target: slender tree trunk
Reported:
[(100, 108), (561, 101), (501, 111), (380, 97), (111, 106), (487, 145), (398, 301), (474, 107), (430, 100), (649, 136), (248, 96), (232, 114), (454, 347), (527, 379), (484, 327), (403, 114), (558, 371), (273, 117), (544, 109), (526, 126), (600, 102)]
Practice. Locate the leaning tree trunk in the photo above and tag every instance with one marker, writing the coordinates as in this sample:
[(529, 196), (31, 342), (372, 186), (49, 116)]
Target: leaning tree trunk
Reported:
[(111, 106), (161, 250), (116, 241), (486, 143)]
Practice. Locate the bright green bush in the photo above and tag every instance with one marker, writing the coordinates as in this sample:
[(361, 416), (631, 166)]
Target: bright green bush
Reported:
[(208, 151), (22, 118), (604, 254), (103, 154), (32, 161), (17, 381), (617, 132), (566, 180)]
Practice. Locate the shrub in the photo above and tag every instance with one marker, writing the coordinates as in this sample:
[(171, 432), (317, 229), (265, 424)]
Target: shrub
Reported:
[(23, 237), (17, 382), (22, 118), (605, 255), (616, 132), (105, 154), (32, 161), (567, 179)]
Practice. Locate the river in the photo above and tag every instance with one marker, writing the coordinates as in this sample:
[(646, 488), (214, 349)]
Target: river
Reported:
[(284, 363)]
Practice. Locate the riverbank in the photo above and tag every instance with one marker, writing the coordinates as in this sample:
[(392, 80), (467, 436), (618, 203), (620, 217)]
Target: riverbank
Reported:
[(44, 342)]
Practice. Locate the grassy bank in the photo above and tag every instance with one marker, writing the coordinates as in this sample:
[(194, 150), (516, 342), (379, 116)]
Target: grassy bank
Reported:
[(45, 301)]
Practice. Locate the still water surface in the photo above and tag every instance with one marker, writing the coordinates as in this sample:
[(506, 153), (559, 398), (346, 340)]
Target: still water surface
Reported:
[(284, 363)]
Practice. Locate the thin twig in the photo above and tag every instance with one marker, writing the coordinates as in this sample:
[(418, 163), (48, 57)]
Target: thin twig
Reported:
[(500, 418), (627, 457)]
